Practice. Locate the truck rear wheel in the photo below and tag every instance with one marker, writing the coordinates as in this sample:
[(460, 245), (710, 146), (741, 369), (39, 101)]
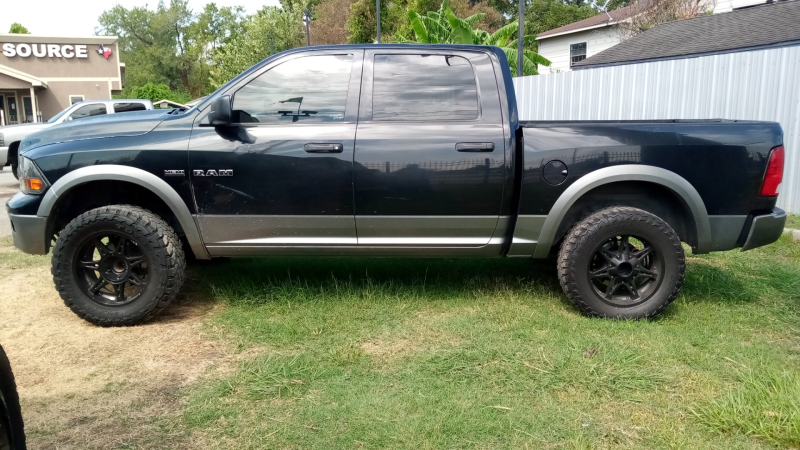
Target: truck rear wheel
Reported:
[(118, 265), (621, 263)]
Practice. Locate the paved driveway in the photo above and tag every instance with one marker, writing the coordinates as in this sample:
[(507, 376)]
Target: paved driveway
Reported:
[(8, 187)]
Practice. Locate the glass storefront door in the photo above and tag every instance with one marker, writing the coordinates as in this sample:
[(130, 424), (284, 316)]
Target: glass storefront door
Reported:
[(12, 110)]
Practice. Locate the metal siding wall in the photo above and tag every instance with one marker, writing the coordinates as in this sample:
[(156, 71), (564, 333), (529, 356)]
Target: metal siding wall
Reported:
[(755, 85)]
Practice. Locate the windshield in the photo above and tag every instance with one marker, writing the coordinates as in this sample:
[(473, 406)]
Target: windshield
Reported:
[(58, 116)]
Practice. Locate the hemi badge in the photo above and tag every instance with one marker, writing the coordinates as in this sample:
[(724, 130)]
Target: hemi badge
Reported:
[(173, 173)]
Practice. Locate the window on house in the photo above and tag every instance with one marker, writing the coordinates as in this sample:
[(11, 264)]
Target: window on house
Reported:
[(577, 53)]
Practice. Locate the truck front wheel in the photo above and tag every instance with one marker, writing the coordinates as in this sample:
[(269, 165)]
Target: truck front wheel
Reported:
[(621, 263), (118, 265)]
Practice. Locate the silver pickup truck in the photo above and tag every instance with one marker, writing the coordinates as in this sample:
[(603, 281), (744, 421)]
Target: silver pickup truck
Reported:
[(12, 135)]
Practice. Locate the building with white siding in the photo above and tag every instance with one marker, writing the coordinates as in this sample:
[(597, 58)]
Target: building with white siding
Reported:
[(572, 43)]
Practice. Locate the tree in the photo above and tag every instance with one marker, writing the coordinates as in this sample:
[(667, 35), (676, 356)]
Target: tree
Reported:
[(17, 28), (646, 14), (171, 45), (253, 43), (155, 92), (361, 24), (544, 15), (444, 27), (330, 22)]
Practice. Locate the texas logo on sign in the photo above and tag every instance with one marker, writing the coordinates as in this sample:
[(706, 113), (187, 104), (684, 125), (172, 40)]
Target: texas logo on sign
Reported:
[(106, 52)]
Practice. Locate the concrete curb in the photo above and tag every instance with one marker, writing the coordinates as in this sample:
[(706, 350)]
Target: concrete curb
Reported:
[(795, 233)]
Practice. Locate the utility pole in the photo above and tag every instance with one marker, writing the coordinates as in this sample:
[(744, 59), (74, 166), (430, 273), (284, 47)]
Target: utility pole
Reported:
[(307, 17), (271, 45), (378, 8), (520, 36)]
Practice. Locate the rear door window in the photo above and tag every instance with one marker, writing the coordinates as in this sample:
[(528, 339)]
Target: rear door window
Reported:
[(129, 107), (93, 109), (423, 88)]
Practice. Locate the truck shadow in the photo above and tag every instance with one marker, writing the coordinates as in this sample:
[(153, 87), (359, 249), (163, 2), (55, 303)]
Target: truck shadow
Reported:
[(258, 281)]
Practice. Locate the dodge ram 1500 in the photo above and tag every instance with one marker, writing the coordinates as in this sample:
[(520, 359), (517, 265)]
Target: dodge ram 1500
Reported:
[(388, 150)]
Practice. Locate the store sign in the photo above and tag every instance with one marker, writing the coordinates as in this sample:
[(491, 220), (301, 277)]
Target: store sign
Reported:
[(45, 50)]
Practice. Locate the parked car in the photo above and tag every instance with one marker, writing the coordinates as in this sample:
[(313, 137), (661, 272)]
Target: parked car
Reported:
[(12, 433), (12, 135), (389, 150)]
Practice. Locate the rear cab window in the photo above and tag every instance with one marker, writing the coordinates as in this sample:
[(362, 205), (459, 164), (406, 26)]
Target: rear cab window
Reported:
[(92, 109), (120, 107)]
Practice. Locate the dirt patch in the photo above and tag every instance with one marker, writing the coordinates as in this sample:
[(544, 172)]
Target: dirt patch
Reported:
[(423, 333), (83, 386)]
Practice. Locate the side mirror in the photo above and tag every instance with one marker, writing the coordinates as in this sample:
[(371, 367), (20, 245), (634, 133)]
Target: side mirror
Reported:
[(220, 114)]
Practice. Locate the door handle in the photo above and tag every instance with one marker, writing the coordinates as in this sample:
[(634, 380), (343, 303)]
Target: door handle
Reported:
[(475, 147), (323, 148)]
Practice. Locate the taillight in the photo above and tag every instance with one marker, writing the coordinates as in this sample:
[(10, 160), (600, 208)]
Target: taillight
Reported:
[(774, 175)]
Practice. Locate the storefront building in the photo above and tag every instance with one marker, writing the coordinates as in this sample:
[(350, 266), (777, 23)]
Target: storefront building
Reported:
[(42, 75)]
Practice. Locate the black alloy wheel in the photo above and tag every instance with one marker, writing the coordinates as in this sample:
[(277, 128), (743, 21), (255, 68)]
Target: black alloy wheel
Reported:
[(111, 269), (621, 263), (118, 265), (625, 270)]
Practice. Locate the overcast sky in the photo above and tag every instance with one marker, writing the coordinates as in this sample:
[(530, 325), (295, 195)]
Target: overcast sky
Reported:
[(79, 17)]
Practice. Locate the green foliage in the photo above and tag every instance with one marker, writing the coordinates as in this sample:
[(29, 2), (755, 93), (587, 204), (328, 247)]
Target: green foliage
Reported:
[(444, 27), (544, 15), (362, 26), (171, 45), (155, 92), (17, 28), (253, 43)]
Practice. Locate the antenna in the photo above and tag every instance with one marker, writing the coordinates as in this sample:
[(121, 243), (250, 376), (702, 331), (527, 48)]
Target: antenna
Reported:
[(605, 10)]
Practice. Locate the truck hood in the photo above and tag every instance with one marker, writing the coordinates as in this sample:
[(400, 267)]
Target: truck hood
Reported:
[(111, 125), (13, 133)]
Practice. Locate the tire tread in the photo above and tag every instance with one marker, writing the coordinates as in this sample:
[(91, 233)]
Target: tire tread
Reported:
[(578, 236), (160, 235)]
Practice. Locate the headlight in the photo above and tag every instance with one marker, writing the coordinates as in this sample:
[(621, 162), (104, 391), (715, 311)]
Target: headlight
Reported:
[(31, 180)]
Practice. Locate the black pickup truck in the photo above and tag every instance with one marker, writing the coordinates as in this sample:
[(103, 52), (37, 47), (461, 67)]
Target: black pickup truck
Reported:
[(388, 150)]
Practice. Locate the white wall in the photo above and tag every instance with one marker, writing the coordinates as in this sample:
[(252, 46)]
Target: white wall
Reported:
[(556, 49), (755, 85)]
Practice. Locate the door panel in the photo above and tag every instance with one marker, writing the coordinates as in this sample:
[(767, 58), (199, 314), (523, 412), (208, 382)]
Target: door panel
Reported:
[(430, 153), (275, 192)]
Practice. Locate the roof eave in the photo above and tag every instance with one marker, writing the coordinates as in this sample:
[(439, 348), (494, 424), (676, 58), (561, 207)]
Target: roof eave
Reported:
[(563, 33), (686, 56), (22, 76)]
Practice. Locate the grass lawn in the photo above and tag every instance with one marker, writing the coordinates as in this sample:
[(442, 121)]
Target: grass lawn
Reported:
[(793, 221), (388, 353), (343, 353)]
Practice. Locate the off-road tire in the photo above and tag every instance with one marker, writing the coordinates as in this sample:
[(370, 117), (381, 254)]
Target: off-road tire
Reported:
[(583, 239), (12, 432), (154, 237)]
